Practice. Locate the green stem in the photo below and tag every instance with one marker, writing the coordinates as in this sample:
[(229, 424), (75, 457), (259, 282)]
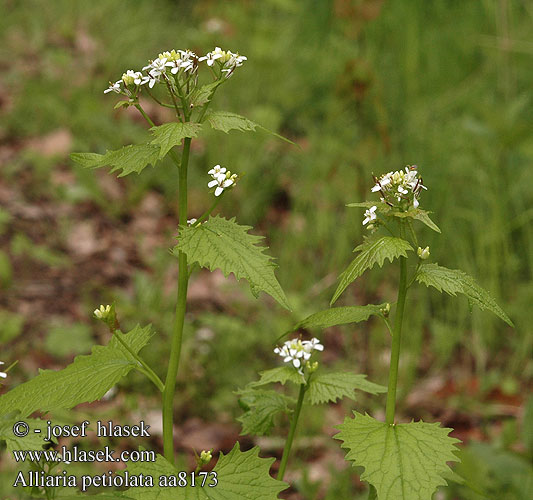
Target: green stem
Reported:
[(208, 212), (292, 431), (177, 334), (145, 116), (396, 342), (146, 369)]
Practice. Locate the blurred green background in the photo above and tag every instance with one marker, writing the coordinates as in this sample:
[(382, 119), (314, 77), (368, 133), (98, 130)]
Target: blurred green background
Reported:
[(362, 86)]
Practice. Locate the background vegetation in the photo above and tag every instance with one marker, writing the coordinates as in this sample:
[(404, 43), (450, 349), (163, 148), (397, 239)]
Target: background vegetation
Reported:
[(363, 86)]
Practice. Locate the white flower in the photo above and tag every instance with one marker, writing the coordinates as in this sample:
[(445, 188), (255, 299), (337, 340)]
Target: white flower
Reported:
[(313, 345), (114, 87), (222, 179), (295, 351), (131, 77), (217, 170), (370, 215), (102, 312), (2, 374), (212, 56), (192, 221)]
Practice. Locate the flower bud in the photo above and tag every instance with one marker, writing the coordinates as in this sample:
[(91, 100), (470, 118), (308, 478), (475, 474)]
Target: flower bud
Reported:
[(385, 310), (204, 458), (423, 253), (107, 315), (312, 367)]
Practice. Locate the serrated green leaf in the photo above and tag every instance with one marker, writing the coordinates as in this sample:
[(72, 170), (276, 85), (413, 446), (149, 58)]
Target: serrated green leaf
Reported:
[(129, 159), (85, 380), (453, 281), (224, 244), (402, 461), (226, 121), (33, 441), (171, 134), (281, 374), (372, 251), (87, 160), (263, 406), (240, 475), (328, 387), (339, 316)]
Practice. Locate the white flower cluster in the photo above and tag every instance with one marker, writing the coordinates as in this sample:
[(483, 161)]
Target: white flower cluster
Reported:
[(222, 179), (228, 60), (2, 374), (399, 186), (296, 351), (174, 61)]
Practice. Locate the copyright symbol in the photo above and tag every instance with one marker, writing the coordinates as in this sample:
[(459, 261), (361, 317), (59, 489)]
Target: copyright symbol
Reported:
[(21, 429)]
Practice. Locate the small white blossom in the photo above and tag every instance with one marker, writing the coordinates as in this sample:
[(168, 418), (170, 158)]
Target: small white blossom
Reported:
[(132, 77), (102, 312), (296, 351), (222, 179), (156, 68), (211, 57), (2, 374), (114, 87), (192, 221), (370, 215), (186, 60)]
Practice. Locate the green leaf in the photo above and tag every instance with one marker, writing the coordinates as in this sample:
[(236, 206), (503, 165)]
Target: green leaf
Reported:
[(85, 380), (171, 134), (123, 104), (402, 461), (224, 244), (372, 251), (453, 281), (339, 316), (281, 374), (328, 387), (204, 94), (262, 406), (129, 159), (418, 214), (226, 121), (240, 475), (33, 441)]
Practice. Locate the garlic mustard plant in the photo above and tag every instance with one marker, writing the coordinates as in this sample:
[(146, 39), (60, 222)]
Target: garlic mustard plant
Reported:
[(316, 385), (185, 83), (401, 461)]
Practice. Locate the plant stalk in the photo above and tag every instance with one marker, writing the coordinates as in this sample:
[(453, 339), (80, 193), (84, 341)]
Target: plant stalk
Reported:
[(181, 305), (292, 431), (396, 342), (145, 367)]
